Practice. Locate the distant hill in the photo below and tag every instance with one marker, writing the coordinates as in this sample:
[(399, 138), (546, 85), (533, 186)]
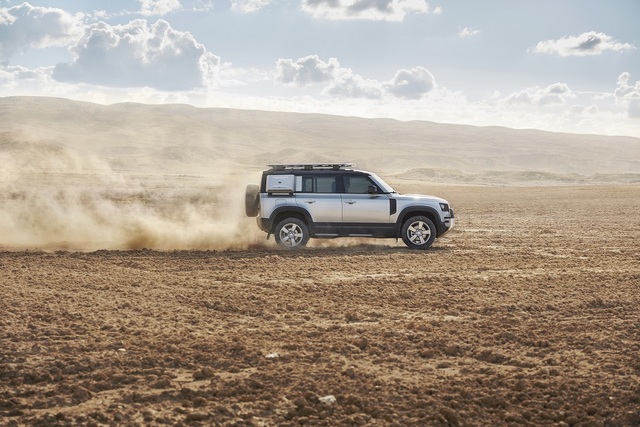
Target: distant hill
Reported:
[(175, 139)]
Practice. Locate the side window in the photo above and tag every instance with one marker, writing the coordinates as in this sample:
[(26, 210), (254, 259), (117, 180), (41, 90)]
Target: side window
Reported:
[(307, 184), (357, 184), (319, 184)]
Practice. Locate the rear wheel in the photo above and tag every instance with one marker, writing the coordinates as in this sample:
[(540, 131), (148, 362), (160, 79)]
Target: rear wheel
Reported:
[(418, 232), (252, 200), (291, 233)]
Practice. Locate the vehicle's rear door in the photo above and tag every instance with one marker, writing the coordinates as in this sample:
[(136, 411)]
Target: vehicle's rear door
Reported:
[(318, 195)]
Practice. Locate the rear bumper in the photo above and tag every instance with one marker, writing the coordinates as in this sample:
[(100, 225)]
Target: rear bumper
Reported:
[(264, 224)]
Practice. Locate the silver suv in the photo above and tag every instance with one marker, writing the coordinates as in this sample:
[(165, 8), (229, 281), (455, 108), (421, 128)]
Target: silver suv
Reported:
[(297, 202)]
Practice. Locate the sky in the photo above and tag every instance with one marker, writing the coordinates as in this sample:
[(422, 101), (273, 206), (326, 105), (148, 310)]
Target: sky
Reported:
[(567, 66)]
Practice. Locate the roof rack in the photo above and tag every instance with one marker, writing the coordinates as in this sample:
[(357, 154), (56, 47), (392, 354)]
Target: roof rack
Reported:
[(312, 166)]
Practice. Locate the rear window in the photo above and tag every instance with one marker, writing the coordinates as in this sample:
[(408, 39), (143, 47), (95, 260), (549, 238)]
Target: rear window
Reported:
[(318, 184)]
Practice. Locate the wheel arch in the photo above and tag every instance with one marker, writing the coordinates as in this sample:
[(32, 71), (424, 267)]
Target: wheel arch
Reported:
[(429, 212), (290, 212)]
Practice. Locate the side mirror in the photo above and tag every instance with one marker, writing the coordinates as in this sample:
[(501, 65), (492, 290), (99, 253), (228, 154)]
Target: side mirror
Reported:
[(372, 189)]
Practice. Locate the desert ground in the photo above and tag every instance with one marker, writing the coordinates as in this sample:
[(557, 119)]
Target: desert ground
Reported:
[(135, 292), (527, 313)]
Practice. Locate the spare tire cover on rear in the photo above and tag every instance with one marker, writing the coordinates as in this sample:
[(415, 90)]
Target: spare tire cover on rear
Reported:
[(252, 200)]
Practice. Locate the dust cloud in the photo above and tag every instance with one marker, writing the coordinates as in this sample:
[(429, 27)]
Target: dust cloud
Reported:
[(56, 198)]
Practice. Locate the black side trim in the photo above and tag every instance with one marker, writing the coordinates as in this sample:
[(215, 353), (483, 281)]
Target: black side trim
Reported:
[(393, 206), (328, 229)]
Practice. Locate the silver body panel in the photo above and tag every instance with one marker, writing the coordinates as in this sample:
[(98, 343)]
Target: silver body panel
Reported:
[(365, 208), (352, 208), (321, 207)]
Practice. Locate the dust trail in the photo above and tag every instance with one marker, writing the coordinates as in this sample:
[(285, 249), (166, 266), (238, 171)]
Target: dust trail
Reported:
[(53, 197)]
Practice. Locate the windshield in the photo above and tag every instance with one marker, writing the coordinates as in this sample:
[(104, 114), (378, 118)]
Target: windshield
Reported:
[(386, 188)]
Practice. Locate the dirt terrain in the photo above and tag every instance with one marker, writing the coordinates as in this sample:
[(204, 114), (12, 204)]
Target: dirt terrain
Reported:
[(528, 313)]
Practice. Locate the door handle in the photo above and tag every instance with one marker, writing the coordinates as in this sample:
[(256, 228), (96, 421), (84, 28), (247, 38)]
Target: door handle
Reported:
[(350, 202), (309, 201)]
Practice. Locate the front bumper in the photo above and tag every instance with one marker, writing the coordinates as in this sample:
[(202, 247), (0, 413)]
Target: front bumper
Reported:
[(449, 222)]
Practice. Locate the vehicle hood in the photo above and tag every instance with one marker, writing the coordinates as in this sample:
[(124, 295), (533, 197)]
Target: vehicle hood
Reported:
[(419, 198)]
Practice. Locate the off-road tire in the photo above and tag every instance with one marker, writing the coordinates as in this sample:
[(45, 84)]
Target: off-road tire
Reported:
[(252, 200), (418, 232), (291, 233)]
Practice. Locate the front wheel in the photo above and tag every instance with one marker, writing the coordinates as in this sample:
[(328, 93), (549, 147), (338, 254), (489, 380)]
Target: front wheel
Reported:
[(291, 233), (418, 232)]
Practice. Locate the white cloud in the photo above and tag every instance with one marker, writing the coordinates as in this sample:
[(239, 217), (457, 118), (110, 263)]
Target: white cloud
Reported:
[(628, 95), (468, 32), (9, 75), (374, 10), (158, 7), (586, 44), (411, 84), (349, 85), (199, 5), (624, 89), (344, 83), (437, 10), (248, 6), (584, 111), (308, 70), (555, 94), (22, 81), (27, 26), (138, 55)]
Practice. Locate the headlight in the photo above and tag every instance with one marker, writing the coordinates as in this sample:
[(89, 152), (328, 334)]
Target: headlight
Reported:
[(444, 207)]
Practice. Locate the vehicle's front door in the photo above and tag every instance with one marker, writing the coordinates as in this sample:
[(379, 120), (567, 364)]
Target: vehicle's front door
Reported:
[(359, 206)]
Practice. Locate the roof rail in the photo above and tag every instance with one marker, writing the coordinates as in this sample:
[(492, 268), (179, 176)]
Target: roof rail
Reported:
[(311, 166)]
